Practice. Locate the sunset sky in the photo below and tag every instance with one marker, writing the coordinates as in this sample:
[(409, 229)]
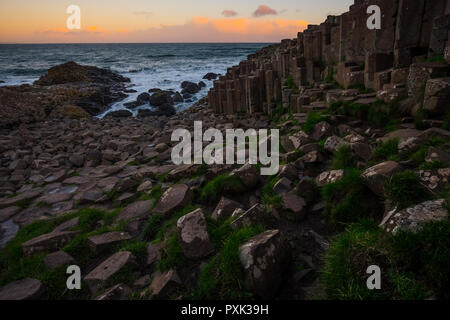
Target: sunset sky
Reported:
[(44, 21)]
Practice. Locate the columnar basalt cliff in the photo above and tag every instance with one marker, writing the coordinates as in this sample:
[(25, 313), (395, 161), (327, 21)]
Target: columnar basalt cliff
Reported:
[(394, 61)]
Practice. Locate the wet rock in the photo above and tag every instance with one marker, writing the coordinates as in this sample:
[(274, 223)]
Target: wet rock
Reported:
[(98, 277), (164, 284), (210, 76), (58, 259), (120, 114), (161, 98), (48, 242), (178, 98), (414, 218), (225, 209), (264, 259), (377, 176), (106, 241), (189, 87), (25, 289), (175, 198), (193, 235)]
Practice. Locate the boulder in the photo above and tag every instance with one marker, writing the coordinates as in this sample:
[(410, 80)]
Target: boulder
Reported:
[(253, 216), (174, 198), (283, 186), (248, 174), (57, 259), (160, 98), (333, 143), (437, 96), (189, 87), (225, 209), (48, 242), (25, 289), (295, 204), (264, 259), (414, 218), (328, 177), (164, 284), (322, 130), (437, 155), (377, 176), (210, 76), (193, 235), (99, 277)]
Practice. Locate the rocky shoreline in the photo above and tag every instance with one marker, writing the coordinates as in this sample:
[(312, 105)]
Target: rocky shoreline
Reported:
[(364, 180)]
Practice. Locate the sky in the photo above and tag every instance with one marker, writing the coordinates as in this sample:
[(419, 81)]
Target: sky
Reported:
[(110, 21)]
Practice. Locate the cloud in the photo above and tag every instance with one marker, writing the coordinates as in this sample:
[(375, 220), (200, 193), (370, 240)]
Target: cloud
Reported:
[(198, 29), (229, 13), (264, 10), (145, 14)]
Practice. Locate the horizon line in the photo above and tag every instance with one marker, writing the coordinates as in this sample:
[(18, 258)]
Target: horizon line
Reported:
[(175, 42)]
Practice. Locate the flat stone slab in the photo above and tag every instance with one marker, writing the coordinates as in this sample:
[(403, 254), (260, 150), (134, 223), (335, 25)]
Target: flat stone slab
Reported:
[(176, 197), (57, 259), (8, 213), (48, 242), (98, 277), (104, 242), (164, 284), (25, 289), (137, 210), (414, 218)]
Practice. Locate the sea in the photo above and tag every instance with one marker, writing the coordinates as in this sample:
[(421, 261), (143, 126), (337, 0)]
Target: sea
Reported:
[(164, 66)]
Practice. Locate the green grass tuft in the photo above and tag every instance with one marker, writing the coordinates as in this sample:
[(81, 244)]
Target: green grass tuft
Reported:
[(405, 189)]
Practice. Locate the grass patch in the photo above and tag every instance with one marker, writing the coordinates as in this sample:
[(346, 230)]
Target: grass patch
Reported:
[(343, 158), (270, 198), (362, 245), (214, 189), (312, 120), (404, 189), (348, 200), (386, 150), (221, 278)]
